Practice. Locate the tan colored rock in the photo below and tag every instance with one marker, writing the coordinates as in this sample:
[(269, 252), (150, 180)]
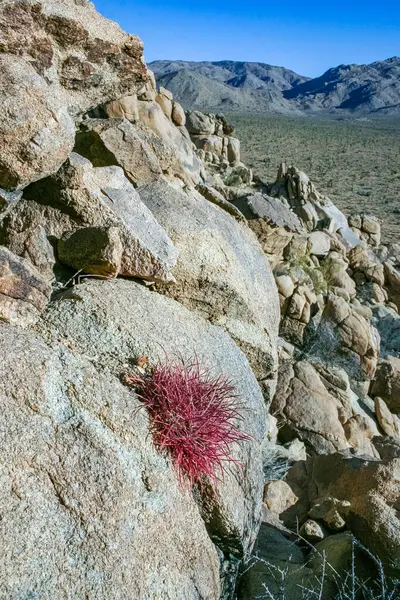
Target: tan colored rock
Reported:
[(153, 117), (80, 196), (365, 262), (208, 143), (392, 281), (303, 404), (371, 486), (312, 531), (389, 422), (23, 292), (124, 108), (198, 123), (386, 384), (59, 59), (233, 151), (271, 220), (165, 99), (178, 115), (360, 430), (278, 496), (370, 224), (347, 339), (96, 250), (285, 285), (142, 154), (296, 306), (332, 511), (37, 140), (378, 294)]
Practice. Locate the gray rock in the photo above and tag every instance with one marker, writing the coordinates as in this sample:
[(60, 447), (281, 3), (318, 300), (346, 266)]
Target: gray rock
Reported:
[(272, 210), (112, 322), (199, 124), (320, 243), (85, 498), (221, 273), (387, 322)]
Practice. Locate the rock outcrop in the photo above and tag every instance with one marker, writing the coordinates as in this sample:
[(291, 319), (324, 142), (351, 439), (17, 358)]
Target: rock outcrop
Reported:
[(59, 59), (132, 235), (101, 180)]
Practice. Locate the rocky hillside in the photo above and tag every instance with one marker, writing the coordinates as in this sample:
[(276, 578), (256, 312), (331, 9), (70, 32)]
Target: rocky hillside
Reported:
[(134, 242), (243, 86)]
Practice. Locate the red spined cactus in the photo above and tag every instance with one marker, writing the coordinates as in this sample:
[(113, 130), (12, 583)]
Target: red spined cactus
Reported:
[(193, 416)]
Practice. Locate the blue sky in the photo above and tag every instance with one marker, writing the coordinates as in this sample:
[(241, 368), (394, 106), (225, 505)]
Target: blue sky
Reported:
[(308, 37)]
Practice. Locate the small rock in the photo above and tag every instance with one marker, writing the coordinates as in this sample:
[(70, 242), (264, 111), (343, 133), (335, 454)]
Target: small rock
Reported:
[(312, 531), (278, 496), (96, 250), (319, 243)]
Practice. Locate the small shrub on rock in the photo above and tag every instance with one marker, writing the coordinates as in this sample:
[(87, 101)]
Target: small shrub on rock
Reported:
[(194, 417)]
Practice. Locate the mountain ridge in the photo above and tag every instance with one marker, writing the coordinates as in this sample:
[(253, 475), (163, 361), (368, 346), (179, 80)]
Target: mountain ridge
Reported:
[(256, 86)]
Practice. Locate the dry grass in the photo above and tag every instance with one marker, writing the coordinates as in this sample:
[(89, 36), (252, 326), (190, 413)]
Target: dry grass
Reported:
[(356, 163)]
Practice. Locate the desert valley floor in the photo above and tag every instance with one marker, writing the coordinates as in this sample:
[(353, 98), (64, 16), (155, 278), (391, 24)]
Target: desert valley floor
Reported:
[(355, 162)]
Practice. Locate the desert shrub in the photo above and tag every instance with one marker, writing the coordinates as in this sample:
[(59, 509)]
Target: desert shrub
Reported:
[(321, 277), (328, 582), (194, 417)]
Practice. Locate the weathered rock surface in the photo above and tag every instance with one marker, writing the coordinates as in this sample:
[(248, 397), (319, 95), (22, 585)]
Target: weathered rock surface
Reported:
[(23, 291), (386, 384), (370, 486), (139, 151), (59, 59), (315, 403), (80, 196), (221, 272), (112, 322), (189, 166), (85, 498), (347, 339), (271, 220)]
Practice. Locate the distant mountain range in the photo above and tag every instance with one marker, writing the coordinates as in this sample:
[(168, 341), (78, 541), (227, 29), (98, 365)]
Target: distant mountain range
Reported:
[(248, 86)]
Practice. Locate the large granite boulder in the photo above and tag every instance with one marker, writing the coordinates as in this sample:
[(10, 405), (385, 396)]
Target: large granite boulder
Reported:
[(221, 273), (347, 339), (314, 402), (59, 59), (89, 508), (142, 153), (112, 322)]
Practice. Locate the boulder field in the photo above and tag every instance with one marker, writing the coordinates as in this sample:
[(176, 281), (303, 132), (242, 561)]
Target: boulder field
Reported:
[(131, 233)]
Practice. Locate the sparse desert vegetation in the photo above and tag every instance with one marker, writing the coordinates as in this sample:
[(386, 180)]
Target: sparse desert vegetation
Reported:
[(356, 163)]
